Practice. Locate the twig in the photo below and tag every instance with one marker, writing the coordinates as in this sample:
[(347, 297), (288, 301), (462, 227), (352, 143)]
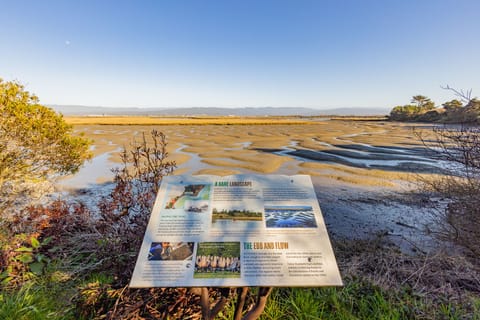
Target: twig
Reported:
[(463, 95), (116, 302), (418, 272)]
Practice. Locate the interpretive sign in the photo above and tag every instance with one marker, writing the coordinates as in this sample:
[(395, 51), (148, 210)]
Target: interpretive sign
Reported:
[(236, 231)]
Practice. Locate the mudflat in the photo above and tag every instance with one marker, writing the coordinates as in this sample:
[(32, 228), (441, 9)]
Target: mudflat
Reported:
[(380, 153), (357, 167)]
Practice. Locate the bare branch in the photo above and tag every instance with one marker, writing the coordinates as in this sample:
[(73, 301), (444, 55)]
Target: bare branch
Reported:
[(465, 96)]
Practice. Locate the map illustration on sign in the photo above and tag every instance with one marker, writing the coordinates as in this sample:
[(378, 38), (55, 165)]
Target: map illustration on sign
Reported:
[(191, 196)]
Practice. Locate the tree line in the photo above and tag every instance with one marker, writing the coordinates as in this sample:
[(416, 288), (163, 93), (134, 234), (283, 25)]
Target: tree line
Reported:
[(236, 212), (222, 249), (422, 109)]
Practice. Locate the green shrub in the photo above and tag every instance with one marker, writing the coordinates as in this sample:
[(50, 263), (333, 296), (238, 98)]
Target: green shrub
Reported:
[(35, 143)]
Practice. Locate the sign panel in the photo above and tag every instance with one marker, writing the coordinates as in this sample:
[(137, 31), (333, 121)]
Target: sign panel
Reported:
[(235, 231)]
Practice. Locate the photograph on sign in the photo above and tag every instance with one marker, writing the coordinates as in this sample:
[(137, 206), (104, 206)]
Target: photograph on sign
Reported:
[(290, 217), (170, 251), (217, 260)]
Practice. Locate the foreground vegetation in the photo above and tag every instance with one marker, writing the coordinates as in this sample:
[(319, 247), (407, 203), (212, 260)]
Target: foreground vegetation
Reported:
[(422, 109), (64, 260), (35, 145), (61, 261), (380, 282)]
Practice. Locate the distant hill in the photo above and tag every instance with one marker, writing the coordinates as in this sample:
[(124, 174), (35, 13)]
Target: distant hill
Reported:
[(72, 110), (353, 111)]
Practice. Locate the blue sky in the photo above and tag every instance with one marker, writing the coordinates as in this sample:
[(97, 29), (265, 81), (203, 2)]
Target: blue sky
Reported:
[(296, 53)]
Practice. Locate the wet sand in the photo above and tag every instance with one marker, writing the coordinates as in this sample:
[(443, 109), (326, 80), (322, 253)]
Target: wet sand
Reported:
[(336, 146), (349, 161)]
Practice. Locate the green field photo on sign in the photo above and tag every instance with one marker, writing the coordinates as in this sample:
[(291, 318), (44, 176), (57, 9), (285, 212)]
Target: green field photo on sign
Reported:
[(217, 260)]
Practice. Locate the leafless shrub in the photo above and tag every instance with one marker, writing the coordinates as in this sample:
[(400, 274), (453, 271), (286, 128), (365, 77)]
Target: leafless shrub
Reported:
[(460, 146), (464, 95), (125, 212), (459, 222), (138, 179)]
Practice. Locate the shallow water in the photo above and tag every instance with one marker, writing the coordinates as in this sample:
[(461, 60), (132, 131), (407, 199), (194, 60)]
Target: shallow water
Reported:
[(399, 156), (193, 164), (91, 173), (349, 210)]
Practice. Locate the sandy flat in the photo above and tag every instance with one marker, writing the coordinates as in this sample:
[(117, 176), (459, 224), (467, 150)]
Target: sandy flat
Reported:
[(355, 198), (254, 148)]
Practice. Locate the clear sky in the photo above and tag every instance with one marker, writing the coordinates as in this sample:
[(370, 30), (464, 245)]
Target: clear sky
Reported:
[(245, 53)]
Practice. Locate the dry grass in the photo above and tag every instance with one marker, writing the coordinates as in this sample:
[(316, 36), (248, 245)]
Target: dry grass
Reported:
[(217, 172), (440, 276), (434, 280), (360, 118), (146, 120)]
